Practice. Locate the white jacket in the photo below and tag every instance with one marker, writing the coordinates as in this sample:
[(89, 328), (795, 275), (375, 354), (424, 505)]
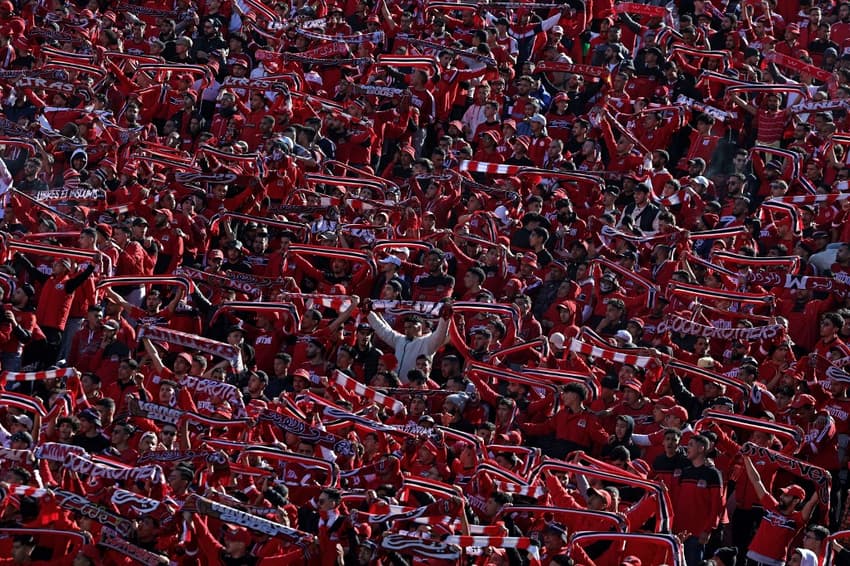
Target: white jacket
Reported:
[(407, 350)]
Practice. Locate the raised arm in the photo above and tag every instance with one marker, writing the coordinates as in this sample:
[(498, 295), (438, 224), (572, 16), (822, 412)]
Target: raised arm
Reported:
[(755, 478)]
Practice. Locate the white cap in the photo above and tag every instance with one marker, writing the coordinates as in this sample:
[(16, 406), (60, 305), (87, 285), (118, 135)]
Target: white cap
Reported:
[(391, 259), (700, 180), (623, 335), (314, 77), (540, 118), (502, 212), (557, 340), (24, 420)]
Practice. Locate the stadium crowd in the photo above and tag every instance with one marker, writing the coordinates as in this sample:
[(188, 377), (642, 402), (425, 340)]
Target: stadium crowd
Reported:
[(376, 282)]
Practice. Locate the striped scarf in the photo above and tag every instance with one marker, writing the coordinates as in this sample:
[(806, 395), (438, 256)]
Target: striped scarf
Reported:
[(197, 504), (424, 63), (790, 435), (437, 48), (19, 376), (700, 293), (741, 389), (651, 288), (607, 473), (722, 56), (220, 281), (810, 200), (821, 478), (609, 354), (786, 263), (23, 402), (149, 281), (354, 386), (374, 37), (489, 168), (672, 544), (596, 74), (194, 342), (617, 521), (75, 254), (519, 543)]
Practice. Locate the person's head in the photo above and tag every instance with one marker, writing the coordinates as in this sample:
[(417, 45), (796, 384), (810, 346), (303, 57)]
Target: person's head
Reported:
[(22, 547), (413, 326), (814, 537), (698, 447)]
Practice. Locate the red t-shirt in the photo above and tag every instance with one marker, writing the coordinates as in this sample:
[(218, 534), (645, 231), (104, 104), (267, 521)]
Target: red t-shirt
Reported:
[(776, 531)]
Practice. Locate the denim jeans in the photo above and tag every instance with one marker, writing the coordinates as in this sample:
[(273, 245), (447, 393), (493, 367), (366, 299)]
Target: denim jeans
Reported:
[(694, 551)]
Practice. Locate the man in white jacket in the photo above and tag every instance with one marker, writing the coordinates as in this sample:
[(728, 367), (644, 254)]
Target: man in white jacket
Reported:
[(412, 343)]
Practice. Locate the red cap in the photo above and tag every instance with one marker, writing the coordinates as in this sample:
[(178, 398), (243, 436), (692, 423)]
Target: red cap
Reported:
[(677, 411), (666, 402), (373, 18), (631, 561), (301, 372), (803, 400), (632, 384), (794, 490), (793, 28), (186, 357), (567, 305), (509, 122), (529, 258)]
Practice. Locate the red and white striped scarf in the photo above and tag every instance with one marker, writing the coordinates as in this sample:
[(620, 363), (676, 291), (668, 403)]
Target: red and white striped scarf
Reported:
[(351, 384), (194, 342), (489, 168), (520, 543), (18, 376), (423, 548), (609, 354)]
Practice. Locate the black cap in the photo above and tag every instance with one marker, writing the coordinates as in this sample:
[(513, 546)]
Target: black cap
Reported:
[(366, 327), (643, 187), (21, 436)]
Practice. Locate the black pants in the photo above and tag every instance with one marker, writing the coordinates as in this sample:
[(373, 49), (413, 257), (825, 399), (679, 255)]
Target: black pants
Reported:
[(744, 525), (53, 342)]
